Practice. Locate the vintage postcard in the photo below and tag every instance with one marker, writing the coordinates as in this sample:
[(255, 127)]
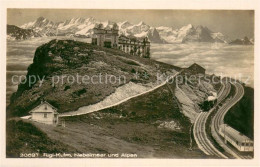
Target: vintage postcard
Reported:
[(100, 83)]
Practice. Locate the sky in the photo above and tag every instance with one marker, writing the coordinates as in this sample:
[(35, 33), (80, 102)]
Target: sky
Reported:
[(233, 23)]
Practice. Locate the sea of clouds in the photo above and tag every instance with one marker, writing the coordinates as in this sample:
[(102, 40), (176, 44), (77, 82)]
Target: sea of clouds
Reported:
[(228, 60), (220, 59)]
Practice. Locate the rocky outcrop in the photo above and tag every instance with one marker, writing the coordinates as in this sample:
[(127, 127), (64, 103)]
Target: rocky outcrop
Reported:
[(244, 41), (191, 94), (154, 36), (16, 33), (198, 34)]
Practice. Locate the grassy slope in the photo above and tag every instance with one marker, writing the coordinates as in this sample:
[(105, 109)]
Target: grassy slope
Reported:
[(23, 137), (241, 116), (133, 127), (71, 58)]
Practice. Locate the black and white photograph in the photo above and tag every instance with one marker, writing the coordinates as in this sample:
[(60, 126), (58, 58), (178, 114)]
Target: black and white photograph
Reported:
[(129, 84)]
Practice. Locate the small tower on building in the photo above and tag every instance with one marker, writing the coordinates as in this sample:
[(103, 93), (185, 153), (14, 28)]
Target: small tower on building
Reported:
[(105, 36)]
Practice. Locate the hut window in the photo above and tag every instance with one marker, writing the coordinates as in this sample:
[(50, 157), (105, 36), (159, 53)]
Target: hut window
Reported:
[(45, 115), (45, 107)]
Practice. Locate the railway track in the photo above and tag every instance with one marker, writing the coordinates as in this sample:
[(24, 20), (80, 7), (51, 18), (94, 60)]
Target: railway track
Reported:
[(218, 119), (199, 128)]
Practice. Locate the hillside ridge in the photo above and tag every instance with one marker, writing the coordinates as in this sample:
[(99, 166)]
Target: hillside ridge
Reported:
[(63, 58)]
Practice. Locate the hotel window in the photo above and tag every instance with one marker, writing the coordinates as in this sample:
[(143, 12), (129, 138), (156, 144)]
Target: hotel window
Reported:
[(45, 115)]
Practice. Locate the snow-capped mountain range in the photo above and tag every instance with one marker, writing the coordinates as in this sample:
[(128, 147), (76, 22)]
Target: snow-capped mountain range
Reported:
[(16, 33), (81, 27)]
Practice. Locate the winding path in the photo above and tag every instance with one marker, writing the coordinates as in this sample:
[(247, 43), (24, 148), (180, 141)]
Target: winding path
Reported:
[(122, 101)]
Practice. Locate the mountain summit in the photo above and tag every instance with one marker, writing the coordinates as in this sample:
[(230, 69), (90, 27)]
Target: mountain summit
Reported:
[(16, 33), (244, 41), (83, 27)]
